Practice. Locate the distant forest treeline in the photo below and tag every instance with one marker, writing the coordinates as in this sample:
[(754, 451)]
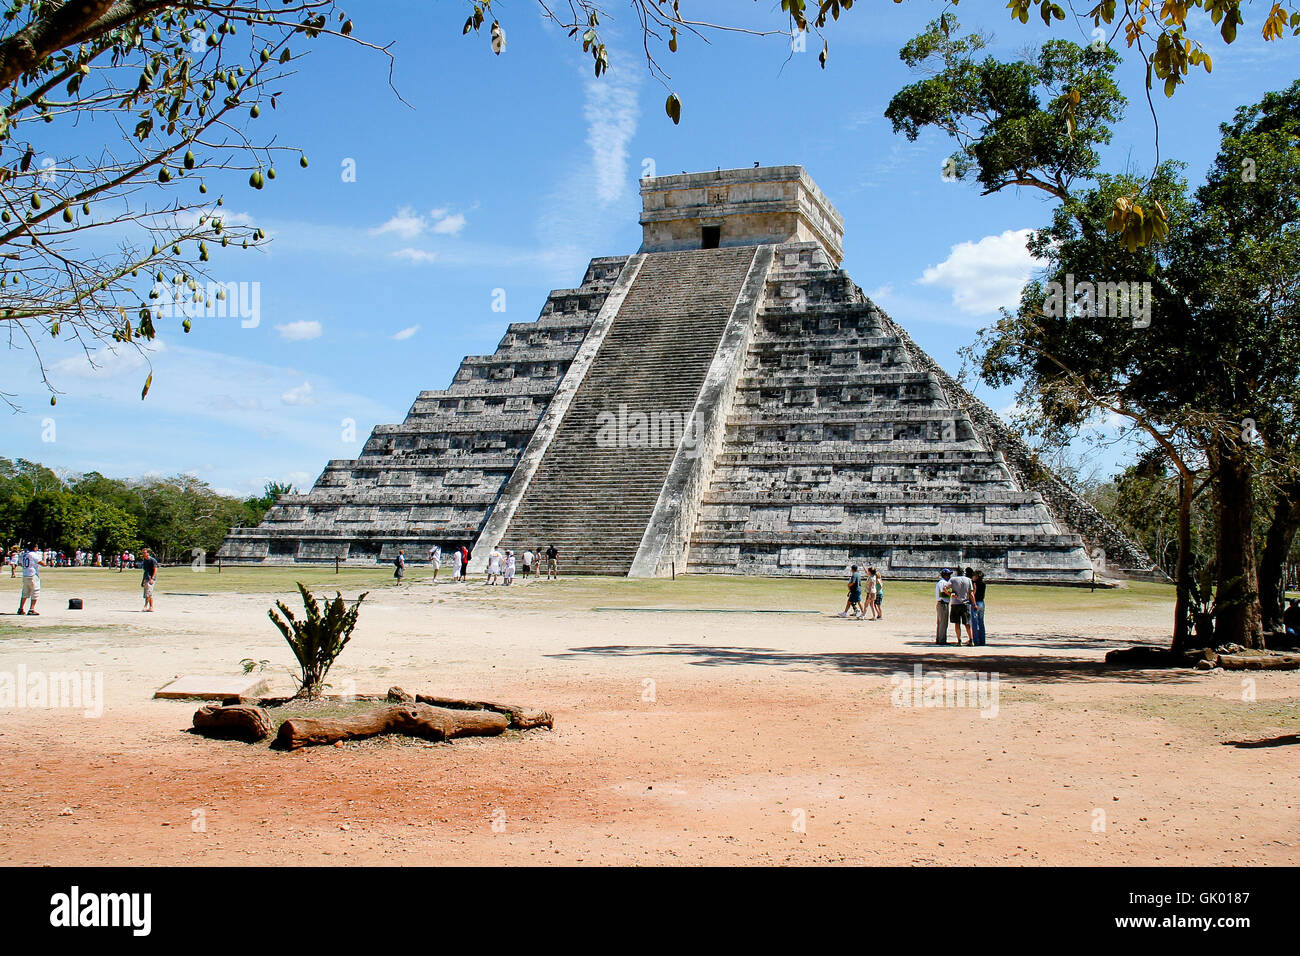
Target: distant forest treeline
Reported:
[(171, 516)]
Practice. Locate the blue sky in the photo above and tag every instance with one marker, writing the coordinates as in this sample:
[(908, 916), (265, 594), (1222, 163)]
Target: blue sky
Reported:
[(509, 173)]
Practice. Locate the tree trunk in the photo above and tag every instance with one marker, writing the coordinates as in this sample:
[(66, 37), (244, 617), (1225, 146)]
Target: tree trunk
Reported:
[(1277, 545), (1183, 571), (414, 720), (521, 718), (1259, 662), (235, 722), (1236, 603)]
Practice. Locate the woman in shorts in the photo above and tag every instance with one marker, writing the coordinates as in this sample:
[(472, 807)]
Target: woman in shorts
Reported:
[(869, 595)]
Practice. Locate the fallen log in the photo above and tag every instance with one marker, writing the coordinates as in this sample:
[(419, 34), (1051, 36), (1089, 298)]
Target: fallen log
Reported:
[(1259, 662), (233, 722), (413, 720), (521, 718)]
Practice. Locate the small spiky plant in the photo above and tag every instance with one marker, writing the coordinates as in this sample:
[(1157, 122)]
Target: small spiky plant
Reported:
[(319, 639)]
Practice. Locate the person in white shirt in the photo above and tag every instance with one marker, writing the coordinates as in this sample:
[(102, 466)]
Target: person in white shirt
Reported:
[(456, 565), (942, 597), (435, 560), (494, 566), (510, 567), (528, 563), (31, 562)]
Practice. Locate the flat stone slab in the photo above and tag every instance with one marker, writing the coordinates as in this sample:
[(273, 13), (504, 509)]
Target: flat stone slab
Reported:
[(210, 687)]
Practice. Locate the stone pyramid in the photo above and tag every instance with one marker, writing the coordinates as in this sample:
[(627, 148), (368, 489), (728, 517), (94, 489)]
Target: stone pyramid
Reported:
[(725, 401)]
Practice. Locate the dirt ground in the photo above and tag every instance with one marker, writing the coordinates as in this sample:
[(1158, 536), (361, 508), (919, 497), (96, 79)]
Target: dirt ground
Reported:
[(682, 736)]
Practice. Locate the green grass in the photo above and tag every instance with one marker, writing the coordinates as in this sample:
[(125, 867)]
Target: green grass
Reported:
[(331, 709), (10, 629), (586, 592), (1205, 715), (717, 591), (248, 580)]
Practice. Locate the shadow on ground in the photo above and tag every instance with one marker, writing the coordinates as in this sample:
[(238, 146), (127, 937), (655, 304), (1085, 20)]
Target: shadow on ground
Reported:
[(1022, 667)]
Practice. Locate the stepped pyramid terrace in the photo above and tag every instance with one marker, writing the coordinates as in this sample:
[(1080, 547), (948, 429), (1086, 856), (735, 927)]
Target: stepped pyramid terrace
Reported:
[(725, 400)]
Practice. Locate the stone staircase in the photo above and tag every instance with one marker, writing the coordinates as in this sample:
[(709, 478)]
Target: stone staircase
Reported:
[(597, 485)]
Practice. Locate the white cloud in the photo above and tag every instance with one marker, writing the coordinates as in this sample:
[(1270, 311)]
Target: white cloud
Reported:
[(224, 402), (568, 230), (407, 223), (189, 218), (406, 333), (447, 225), (204, 407), (611, 112), (299, 331), (414, 255), (299, 396), (986, 275), (111, 361)]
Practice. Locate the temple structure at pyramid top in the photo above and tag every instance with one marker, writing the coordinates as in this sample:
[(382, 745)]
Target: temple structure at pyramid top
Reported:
[(738, 207), (725, 400)]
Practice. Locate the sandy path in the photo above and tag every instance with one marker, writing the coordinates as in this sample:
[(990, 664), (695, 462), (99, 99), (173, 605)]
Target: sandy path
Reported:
[(757, 723)]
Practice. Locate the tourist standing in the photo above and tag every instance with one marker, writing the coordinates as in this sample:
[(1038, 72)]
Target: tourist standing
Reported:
[(879, 604), (510, 568), (31, 562), (552, 563), (528, 563), (399, 565), (457, 563), (959, 614), (977, 607), (435, 560), (150, 568), (854, 602), (494, 566), (942, 597), (869, 594)]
